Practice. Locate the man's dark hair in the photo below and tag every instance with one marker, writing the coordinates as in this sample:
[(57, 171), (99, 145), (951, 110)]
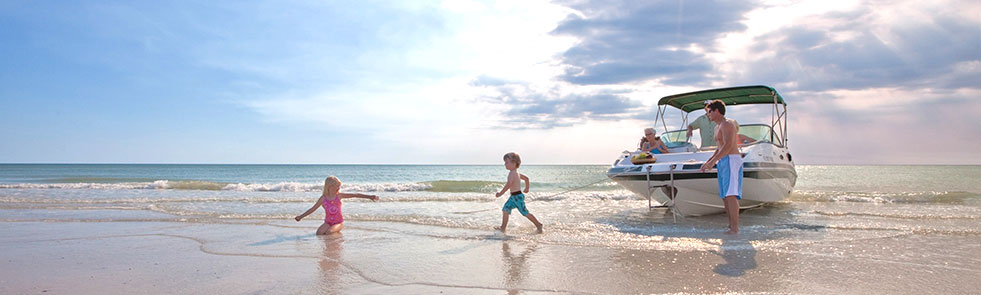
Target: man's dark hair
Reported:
[(717, 105)]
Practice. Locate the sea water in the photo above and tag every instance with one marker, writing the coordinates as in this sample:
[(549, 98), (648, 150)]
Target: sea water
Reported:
[(578, 204)]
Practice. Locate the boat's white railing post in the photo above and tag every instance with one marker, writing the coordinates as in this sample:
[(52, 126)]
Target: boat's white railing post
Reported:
[(664, 123), (674, 208), (778, 119), (774, 113), (785, 117), (649, 190)]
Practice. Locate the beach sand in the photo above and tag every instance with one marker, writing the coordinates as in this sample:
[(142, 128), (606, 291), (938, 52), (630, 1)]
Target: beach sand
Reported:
[(92, 256)]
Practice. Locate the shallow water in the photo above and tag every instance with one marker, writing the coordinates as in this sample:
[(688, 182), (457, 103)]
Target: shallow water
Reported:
[(433, 222), (579, 205)]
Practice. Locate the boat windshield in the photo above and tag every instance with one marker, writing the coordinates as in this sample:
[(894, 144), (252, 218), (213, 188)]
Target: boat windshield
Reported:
[(751, 133), (674, 139)]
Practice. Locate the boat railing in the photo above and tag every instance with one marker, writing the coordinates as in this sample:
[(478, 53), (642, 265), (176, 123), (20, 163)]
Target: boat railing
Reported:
[(677, 141), (749, 134)]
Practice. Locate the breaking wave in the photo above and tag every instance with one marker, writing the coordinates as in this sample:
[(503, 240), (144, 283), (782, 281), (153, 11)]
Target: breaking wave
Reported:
[(439, 186), (941, 197), (242, 187)]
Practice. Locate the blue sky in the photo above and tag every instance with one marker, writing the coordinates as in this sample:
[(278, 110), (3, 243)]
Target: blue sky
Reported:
[(463, 82)]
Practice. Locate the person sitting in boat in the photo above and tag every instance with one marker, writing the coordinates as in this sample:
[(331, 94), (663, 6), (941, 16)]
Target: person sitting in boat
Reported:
[(654, 143)]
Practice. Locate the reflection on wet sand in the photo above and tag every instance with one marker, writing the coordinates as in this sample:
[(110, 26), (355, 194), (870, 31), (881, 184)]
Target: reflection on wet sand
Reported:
[(739, 255), (330, 263), (514, 264)]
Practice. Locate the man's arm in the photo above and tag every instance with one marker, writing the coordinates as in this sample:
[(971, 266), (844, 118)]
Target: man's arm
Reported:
[(711, 161), (724, 134), (693, 125)]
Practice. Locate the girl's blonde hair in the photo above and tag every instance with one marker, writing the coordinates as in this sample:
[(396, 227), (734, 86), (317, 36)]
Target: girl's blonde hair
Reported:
[(331, 181)]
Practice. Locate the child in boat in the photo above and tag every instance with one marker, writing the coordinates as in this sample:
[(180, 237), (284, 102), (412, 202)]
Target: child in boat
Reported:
[(330, 199), (517, 200)]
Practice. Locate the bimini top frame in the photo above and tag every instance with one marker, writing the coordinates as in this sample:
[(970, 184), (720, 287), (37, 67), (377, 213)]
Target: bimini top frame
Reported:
[(758, 94)]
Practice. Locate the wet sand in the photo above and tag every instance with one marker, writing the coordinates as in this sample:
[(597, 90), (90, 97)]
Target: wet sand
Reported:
[(273, 257)]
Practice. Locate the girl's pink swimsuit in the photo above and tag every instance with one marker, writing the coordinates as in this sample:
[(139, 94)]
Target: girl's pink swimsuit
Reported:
[(332, 208)]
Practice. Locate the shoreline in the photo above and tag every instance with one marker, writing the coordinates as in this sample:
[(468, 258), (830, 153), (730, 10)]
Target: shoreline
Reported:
[(262, 256), (461, 164)]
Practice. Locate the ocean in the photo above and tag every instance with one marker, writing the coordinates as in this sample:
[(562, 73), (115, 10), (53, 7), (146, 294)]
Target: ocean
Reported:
[(578, 204), (205, 229)]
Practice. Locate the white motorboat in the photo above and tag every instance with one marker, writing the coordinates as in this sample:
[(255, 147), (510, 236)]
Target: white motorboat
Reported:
[(674, 179)]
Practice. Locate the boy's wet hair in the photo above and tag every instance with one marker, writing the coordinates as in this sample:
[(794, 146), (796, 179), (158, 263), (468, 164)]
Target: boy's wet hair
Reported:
[(514, 158), (717, 105)]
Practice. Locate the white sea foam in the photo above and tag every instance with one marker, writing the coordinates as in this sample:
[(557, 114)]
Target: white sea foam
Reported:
[(386, 187), (948, 197), (860, 199), (276, 187), (207, 185), (583, 195), (307, 187), (103, 186)]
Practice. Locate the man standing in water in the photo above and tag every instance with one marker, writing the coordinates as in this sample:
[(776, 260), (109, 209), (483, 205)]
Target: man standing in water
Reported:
[(730, 169)]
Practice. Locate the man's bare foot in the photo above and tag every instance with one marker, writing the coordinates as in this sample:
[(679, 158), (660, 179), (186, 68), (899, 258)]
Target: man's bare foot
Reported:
[(501, 229), (540, 229), (732, 232)]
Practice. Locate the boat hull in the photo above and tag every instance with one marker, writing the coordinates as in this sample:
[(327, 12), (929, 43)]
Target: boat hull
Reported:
[(765, 179)]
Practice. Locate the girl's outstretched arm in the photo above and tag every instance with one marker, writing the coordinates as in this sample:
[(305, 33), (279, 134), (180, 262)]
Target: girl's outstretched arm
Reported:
[(527, 181), (312, 209), (363, 196)]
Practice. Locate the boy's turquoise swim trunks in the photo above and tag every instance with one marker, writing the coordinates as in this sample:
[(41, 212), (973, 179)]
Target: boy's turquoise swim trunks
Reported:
[(516, 201)]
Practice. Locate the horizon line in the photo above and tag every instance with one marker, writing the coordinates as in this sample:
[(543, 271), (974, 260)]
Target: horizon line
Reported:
[(453, 164)]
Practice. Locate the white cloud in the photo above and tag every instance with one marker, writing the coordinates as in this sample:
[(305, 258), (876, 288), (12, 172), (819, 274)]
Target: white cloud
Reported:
[(434, 81), (419, 97), (887, 126)]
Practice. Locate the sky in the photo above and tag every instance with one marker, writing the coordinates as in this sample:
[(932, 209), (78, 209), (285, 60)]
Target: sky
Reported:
[(464, 82)]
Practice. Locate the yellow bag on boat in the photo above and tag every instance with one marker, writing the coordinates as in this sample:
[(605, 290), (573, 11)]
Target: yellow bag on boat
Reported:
[(643, 158)]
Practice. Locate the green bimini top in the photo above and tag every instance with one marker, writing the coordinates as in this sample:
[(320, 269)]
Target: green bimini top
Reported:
[(692, 101)]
